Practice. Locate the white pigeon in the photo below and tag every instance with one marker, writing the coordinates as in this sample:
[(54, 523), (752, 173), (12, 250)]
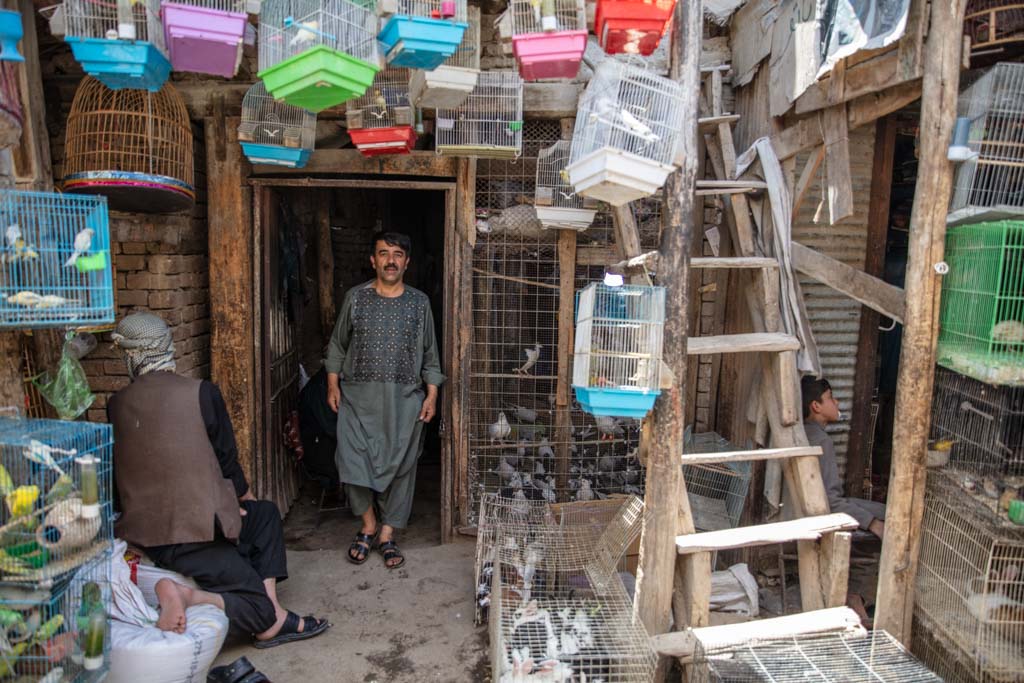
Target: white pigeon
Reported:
[(524, 414), (638, 127), (538, 468), (505, 471), (499, 431), (83, 242), (532, 356), (544, 449), (585, 493), (306, 34), (609, 427)]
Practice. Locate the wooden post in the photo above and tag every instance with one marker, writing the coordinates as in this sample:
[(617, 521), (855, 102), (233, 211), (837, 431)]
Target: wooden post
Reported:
[(902, 542), (462, 335), (667, 509), (325, 263), (563, 404)]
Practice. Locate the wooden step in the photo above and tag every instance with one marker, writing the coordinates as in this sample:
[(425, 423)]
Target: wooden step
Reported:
[(683, 644), (767, 342), (804, 529), (733, 262), (710, 187), (748, 456), (710, 124)]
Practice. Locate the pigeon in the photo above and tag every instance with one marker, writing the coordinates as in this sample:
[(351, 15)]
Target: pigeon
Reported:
[(521, 506), (544, 449), (538, 468), (524, 414), (532, 356), (1008, 331), (585, 493), (609, 428), (499, 431), (83, 242), (638, 127), (521, 449), (606, 463), (505, 471)]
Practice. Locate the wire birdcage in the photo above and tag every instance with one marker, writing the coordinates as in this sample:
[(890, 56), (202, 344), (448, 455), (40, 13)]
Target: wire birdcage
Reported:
[(55, 268), (617, 359), (421, 34), (121, 43), (448, 86), (273, 132), (970, 581), (981, 323), (996, 28), (316, 54), (626, 134), (381, 120), (132, 146), (205, 36), (717, 491), (548, 37), (874, 657), (489, 124), (559, 608), (557, 203)]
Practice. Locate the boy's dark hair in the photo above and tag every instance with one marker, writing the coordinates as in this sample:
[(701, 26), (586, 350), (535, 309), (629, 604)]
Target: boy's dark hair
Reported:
[(392, 239), (811, 390)]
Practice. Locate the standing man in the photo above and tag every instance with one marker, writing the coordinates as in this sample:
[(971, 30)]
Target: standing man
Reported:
[(383, 373)]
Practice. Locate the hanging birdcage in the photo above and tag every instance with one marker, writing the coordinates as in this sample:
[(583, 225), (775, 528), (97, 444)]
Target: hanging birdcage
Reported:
[(632, 27), (421, 34), (557, 203), (205, 36), (132, 146), (120, 42), (616, 369), (626, 135), (316, 54), (996, 29), (448, 86), (55, 268), (273, 132), (381, 121), (548, 37), (489, 124)]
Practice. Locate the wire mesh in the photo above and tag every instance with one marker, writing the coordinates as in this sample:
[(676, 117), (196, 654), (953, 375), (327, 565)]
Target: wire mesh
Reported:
[(982, 425), (237, 6), (536, 16), (876, 657), (489, 123), (385, 104), (717, 491), (970, 586), (267, 121), (55, 261), (119, 20), (557, 203), (467, 55), (945, 659), (291, 27), (455, 10)]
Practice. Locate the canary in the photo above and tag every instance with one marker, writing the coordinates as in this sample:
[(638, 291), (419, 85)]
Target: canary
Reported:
[(21, 500)]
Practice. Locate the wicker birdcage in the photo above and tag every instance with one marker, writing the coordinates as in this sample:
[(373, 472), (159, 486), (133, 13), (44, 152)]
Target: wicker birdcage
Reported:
[(132, 146), (626, 134), (421, 34), (205, 36), (448, 86), (490, 122), (381, 120), (273, 132), (557, 203), (548, 37), (996, 29)]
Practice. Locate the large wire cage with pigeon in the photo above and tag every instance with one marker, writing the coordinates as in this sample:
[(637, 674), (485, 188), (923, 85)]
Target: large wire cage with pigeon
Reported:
[(489, 123), (55, 478), (970, 581), (978, 427), (55, 268), (557, 203), (273, 132), (448, 86), (872, 657), (981, 322), (58, 630), (627, 133), (559, 610), (989, 183), (617, 359), (381, 120)]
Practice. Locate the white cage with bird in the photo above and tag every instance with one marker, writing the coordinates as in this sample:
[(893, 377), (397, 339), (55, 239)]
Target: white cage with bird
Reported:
[(489, 124), (273, 132), (381, 120), (557, 203), (627, 133), (448, 86)]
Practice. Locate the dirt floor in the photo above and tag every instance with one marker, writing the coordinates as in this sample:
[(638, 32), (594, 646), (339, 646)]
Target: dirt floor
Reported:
[(411, 624)]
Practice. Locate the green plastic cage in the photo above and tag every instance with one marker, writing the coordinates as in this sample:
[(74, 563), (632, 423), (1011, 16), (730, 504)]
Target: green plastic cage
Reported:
[(982, 318)]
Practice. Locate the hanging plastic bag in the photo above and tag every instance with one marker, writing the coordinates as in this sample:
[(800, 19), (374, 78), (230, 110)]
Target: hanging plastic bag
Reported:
[(66, 388)]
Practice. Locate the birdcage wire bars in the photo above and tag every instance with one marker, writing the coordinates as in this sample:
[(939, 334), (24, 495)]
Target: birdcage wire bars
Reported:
[(557, 203), (448, 86), (626, 133), (548, 37), (205, 36), (490, 122), (421, 34), (717, 491), (273, 132), (380, 121)]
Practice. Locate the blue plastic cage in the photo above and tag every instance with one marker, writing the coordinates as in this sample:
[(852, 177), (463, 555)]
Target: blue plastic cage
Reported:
[(122, 64), (420, 42), (55, 266)]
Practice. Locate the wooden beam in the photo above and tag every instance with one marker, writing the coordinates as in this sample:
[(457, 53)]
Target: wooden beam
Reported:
[(350, 161), (733, 262), (803, 529), (887, 299), (563, 404), (807, 177), (902, 543), (325, 264), (32, 165), (596, 256), (627, 234), (750, 456), (911, 45), (462, 353), (837, 164), (870, 76), (767, 342)]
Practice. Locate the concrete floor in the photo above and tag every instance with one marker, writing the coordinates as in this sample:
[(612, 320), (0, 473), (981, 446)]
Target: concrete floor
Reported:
[(411, 624)]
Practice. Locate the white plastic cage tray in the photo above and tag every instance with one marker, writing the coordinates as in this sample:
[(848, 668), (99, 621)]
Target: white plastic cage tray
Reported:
[(617, 177), (446, 87), (563, 217)]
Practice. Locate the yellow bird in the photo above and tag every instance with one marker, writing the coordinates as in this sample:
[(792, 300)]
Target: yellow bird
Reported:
[(6, 483), (564, 175), (944, 445), (21, 500)]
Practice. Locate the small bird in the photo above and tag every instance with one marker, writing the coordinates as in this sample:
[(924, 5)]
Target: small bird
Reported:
[(83, 242), (307, 33), (535, 5), (379, 100), (969, 483), (944, 445), (21, 500), (1008, 331), (53, 300), (21, 251), (991, 487), (1009, 494), (499, 431), (638, 127), (532, 356), (563, 174), (41, 454)]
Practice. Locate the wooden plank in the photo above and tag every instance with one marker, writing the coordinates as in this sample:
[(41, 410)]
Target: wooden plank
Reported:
[(877, 73), (350, 161), (627, 234), (803, 529), (449, 397), (902, 543), (911, 45), (733, 262), (837, 164), (751, 32), (709, 124), (751, 455), (887, 299), (462, 321), (757, 342), (596, 256), (32, 165), (807, 177), (325, 264), (789, 387), (731, 185), (566, 330), (835, 567)]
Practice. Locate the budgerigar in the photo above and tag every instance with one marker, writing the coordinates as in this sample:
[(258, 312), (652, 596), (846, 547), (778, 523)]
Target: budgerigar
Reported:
[(20, 249), (83, 242), (25, 298), (21, 500), (532, 356), (38, 452)]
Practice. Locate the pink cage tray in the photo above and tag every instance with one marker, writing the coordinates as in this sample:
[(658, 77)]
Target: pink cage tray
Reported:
[(202, 40), (549, 55)]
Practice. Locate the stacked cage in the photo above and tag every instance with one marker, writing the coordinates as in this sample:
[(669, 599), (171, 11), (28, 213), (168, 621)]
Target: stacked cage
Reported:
[(55, 268), (381, 121), (121, 43), (132, 146), (632, 27), (273, 132), (617, 358), (490, 122), (316, 54), (626, 135), (55, 478), (205, 36), (557, 203), (448, 86), (548, 37), (996, 29), (717, 491), (559, 610), (421, 34)]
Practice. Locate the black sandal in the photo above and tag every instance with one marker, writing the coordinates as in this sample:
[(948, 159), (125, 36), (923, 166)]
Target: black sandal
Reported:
[(362, 545), (290, 632), (390, 551), (239, 671)]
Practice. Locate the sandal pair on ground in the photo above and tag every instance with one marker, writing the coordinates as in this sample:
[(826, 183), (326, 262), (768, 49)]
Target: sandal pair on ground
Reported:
[(360, 548)]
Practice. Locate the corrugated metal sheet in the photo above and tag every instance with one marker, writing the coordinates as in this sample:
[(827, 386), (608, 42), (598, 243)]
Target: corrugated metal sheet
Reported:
[(835, 318)]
